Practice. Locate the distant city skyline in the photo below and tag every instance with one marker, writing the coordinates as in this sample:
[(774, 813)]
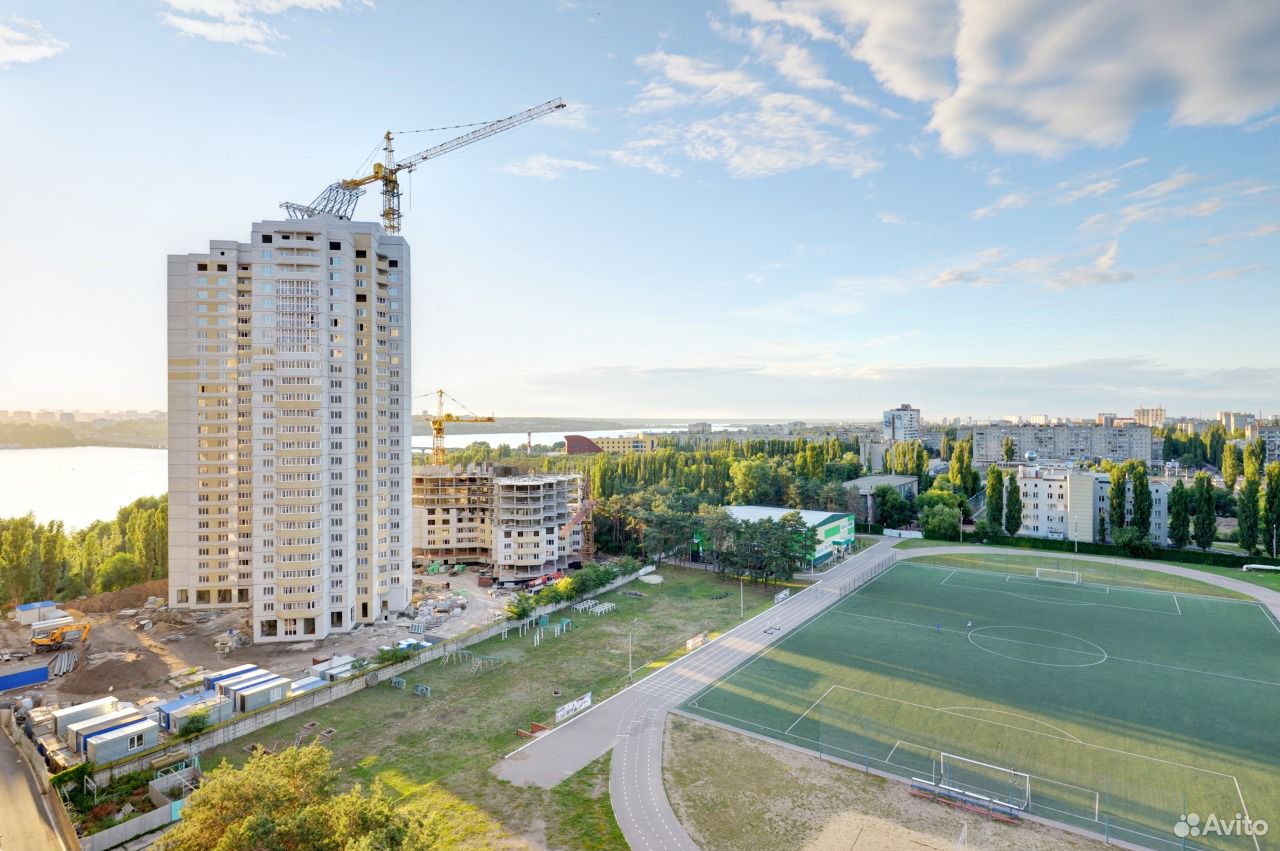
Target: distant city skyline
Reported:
[(790, 209)]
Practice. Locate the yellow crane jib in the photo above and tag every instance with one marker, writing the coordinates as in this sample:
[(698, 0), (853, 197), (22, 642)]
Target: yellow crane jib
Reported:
[(438, 452), (340, 198)]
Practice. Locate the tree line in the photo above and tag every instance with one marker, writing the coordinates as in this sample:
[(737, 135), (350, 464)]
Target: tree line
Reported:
[(43, 561)]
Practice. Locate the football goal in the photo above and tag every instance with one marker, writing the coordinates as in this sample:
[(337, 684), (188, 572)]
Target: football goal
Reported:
[(1053, 574), (988, 782)]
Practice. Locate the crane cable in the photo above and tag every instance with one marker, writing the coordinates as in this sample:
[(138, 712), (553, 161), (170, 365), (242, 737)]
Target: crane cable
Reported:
[(450, 127)]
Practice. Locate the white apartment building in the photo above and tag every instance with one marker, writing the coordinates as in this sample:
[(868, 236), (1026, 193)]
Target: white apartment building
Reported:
[(902, 423), (1077, 442), (1065, 504), (289, 427), (1153, 417), (484, 517), (1270, 435)]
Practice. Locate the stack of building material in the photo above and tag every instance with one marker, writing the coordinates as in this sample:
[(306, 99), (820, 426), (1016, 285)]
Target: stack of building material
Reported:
[(64, 663)]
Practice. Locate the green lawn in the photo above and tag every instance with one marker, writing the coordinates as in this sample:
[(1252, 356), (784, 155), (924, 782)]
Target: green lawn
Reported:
[(435, 753), (1126, 707)]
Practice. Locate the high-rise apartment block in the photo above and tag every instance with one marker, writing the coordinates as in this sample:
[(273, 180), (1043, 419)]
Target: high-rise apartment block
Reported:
[(1077, 442), (1153, 417), (902, 423), (289, 429)]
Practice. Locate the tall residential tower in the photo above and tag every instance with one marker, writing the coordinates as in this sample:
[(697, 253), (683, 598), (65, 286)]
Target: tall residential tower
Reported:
[(289, 427)]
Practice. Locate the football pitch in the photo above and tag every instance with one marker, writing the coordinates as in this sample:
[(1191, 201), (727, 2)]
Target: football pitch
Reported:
[(1125, 708)]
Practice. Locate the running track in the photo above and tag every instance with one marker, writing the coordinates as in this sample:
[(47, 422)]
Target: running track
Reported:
[(632, 721)]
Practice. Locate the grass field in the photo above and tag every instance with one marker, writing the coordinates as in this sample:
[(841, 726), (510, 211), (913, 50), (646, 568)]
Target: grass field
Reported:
[(1127, 707), (434, 753)]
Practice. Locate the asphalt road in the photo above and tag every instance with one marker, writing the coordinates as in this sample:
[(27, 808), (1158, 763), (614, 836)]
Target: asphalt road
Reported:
[(24, 824), (632, 721)]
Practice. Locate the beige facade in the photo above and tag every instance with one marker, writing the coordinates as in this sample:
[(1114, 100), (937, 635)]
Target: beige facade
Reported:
[(451, 514), (1065, 504), (289, 430), (632, 443)]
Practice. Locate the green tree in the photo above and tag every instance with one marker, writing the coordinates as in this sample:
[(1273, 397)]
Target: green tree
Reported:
[(291, 800), (1179, 515), (995, 496), (17, 555), (1231, 462), (1008, 448), (1255, 452), (521, 606), (1247, 515), (1135, 544), (1012, 507), (1141, 502), (119, 571), (893, 511), (53, 545), (940, 522), (1206, 521), (1271, 509), (1118, 497)]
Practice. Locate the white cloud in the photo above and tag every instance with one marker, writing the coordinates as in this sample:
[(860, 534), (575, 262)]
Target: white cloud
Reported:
[(877, 342), (891, 218), (1043, 77), (1261, 230), (574, 116), (546, 167), (754, 131), (1101, 271), (1161, 188), (1092, 190), (23, 41), (1230, 274), (1011, 201), (238, 22)]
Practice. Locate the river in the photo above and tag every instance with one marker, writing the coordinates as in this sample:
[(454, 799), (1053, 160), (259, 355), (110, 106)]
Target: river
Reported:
[(81, 484)]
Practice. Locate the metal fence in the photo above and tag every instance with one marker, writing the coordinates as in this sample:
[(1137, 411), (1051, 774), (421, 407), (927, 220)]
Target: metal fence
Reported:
[(243, 725)]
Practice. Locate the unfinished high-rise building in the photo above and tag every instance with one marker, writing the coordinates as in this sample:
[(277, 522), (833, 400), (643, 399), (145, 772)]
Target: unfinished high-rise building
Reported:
[(519, 526), (289, 427)]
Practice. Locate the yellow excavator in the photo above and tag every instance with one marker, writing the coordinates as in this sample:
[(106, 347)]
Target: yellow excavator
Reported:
[(61, 637)]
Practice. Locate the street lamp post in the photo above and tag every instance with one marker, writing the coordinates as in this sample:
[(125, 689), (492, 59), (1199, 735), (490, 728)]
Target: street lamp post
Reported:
[(630, 632)]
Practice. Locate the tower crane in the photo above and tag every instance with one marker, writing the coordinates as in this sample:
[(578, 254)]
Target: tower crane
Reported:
[(438, 453), (340, 198)]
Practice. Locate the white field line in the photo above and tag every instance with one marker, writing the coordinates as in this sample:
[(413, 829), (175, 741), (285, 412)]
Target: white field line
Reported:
[(1175, 604), (1066, 650), (1208, 597), (1246, 812), (1052, 601), (810, 709)]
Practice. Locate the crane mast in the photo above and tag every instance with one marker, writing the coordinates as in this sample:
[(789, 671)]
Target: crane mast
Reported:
[(339, 199)]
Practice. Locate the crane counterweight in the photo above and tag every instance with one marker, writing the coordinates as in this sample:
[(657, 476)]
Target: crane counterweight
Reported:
[(340, 198)]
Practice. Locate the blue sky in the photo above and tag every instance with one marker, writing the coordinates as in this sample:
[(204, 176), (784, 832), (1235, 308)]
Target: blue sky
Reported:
[(768, 208)]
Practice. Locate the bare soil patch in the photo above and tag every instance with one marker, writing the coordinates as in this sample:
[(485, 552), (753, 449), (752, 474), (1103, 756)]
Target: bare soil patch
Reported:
[(733, 791)]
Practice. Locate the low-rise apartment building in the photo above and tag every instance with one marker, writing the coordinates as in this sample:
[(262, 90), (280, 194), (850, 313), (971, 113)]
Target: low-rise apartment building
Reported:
[(1067, 504)]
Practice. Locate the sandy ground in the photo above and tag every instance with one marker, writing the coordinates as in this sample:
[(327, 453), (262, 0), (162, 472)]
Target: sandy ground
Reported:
[(734, 791), (132, 664)]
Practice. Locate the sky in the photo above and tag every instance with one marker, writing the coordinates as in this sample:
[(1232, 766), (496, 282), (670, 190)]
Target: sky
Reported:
[(756, 208)]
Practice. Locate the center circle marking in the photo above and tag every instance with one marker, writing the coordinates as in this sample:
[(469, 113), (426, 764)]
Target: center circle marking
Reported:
[(1017, 642)]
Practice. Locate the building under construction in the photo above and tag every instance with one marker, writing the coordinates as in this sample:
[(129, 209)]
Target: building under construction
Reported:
[(518, 527)]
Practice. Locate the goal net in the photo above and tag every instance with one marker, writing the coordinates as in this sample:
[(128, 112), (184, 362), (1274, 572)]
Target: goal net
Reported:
[(1053, 574), (989, 782)]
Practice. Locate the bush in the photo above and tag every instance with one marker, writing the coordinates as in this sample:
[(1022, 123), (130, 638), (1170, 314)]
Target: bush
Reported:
[(194, 724), (941, 522), (392, 655), (1211, 559)]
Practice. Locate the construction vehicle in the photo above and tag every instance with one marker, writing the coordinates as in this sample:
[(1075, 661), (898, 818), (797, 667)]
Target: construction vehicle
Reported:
[(340, 198), (61, 637), (438, 451)]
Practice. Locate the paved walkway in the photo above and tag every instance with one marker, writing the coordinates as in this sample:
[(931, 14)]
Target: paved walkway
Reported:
[(632, 721), (24, 823), (1269, 598)]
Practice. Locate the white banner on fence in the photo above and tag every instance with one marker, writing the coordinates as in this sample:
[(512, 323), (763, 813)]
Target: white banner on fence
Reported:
[(573, 707), (781, 595)]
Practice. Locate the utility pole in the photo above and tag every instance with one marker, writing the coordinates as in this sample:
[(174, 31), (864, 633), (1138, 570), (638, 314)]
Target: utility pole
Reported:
[(630, 631)]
